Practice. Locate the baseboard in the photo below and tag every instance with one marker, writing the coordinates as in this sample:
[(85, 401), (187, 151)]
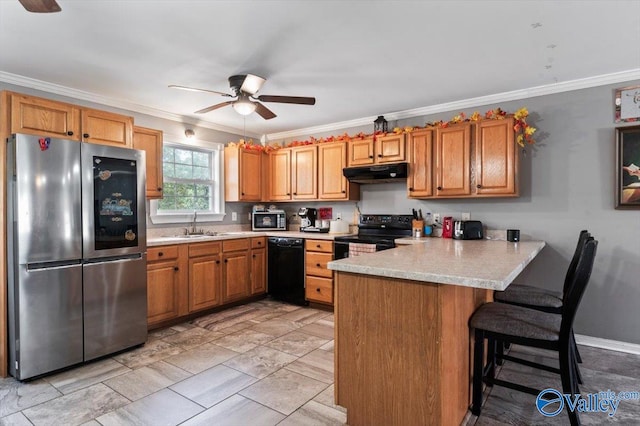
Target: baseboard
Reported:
[(613, 345)]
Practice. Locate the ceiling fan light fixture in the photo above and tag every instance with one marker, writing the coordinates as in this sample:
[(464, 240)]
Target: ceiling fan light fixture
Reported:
[(244, 106)]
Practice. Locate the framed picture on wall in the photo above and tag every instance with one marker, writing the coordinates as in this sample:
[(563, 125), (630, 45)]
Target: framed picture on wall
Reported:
[(627, 106), (628, 167)]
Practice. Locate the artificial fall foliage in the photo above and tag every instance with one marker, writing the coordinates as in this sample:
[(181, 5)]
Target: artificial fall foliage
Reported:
[(524, 132)]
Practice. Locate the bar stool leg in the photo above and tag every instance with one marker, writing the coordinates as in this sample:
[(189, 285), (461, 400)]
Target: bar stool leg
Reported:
[(478, 353)]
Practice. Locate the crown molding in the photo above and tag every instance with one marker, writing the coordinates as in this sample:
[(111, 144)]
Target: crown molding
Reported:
[(549, 89), (57, 89)]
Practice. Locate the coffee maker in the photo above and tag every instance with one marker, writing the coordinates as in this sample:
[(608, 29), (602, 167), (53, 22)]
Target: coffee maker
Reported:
[(308, 217)]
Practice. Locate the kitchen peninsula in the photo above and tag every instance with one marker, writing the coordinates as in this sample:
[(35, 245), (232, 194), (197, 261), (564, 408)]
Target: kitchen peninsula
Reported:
[(402, 339)]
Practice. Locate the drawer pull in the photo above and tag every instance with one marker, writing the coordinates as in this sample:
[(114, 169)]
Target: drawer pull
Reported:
[(159, 188), (86, 135), (175, 268), (318, 265), (318, 289), (318, 245), (259, 243), (217, 262), (160, 254), (439, 188), (69, 133)]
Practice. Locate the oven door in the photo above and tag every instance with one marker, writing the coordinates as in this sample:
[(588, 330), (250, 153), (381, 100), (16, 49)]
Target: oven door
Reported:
[(113, 201)]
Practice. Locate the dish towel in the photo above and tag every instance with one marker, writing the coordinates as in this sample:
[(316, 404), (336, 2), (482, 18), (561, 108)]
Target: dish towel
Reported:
[(356, 249)]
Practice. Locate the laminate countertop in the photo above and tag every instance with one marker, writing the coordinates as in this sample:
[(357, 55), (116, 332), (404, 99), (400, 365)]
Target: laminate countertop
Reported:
[(485, 264), (170, 240)]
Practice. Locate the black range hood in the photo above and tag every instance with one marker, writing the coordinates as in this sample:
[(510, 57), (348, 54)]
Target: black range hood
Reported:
[(382, 173)]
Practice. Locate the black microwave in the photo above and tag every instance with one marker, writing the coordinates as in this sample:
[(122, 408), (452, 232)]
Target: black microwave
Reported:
[(271, 220)]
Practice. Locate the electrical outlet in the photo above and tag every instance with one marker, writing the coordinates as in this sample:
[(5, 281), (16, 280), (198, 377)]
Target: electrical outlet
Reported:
[(466, 216), (436, 217), (338, 215), (234, 216)]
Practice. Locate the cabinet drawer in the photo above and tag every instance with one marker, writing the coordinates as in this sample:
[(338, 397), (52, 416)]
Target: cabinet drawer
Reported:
[(203, 249), (162, 253), (233, 245), (319, 245), (258, 242), (319, 289), (316, 264)]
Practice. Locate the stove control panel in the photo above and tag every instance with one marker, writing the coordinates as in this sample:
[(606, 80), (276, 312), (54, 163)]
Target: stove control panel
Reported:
[(400, 221)]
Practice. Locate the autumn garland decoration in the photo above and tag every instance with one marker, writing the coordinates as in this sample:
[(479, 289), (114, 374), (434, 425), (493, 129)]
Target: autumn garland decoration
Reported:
[(524, 131)]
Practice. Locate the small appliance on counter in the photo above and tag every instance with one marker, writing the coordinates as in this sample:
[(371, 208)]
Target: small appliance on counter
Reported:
[(268, 219), (309, 220), (467, 230)]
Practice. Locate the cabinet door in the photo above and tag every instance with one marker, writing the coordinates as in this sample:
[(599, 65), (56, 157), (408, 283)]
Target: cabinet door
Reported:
[(390, 149), (106, 128), (162, 291), (360, 152), (36, 116), (250, 175), (204, 282), (332, 158), (420, 182), (453, 157), (258, 271), (280, 175), (495, 165), (150, 141), (304, 173), (235, 279)]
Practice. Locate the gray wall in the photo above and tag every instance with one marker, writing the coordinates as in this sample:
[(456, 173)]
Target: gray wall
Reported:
[(567, 184)]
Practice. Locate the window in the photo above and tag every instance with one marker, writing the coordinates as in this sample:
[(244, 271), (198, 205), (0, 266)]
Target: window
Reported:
[(192, 182)]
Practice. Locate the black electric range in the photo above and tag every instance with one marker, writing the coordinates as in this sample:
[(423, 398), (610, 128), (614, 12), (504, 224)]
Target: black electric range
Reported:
[(378, 229)]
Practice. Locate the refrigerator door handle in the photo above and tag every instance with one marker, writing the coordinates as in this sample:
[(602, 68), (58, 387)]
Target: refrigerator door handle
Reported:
[(135, 256), (52, 265)]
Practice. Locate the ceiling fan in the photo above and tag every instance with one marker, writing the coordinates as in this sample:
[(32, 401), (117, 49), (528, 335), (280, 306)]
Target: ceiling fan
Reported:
[(41, 6), (244, 87)]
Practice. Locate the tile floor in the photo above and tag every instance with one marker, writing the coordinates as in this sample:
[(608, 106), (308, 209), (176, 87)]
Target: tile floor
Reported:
[(264, 363)]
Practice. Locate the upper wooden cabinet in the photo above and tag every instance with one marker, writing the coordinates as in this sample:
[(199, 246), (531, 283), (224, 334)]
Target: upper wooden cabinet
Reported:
[(37, 116), (420, 181), (106, 128), (332, 185), (242, 174), (496, 160), (471, 159), (385, 149), (304, 173), (150, 141), (453, 160), (280, 175)]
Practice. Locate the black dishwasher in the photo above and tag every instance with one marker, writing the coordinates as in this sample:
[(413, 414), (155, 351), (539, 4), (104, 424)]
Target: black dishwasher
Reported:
[(286, 269)]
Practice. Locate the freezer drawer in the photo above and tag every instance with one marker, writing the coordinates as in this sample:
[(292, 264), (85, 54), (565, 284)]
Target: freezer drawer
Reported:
[(115, 305), (46, 321)]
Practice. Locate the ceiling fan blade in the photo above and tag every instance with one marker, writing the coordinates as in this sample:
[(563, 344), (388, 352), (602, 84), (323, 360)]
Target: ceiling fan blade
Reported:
[(41, 6), (194, 89), (252, 84), (213, 107), (264, 112), (301, 100)]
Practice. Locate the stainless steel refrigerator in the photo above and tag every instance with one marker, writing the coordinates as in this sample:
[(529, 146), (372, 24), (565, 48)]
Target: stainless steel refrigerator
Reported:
[(76, 252)]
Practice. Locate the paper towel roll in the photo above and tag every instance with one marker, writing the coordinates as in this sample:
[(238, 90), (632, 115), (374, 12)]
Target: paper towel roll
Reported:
[(338, 226)]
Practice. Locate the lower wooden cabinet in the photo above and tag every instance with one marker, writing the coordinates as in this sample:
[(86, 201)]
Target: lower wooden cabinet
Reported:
[(188, 278), (318, 278), (258, 265), (204, 276), (166, 283)]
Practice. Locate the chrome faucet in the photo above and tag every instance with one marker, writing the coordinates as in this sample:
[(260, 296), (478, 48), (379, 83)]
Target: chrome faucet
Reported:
[(193, 224)]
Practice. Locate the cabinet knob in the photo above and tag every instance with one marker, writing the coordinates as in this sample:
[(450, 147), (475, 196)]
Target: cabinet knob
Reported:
[(318, 245), (288, 193), (318, 265), (243, 193), (371, 156), (159, 188), (160, 254), (439, 188), (478, 186), (318, 289), (259, 243), (295, 193), (379, 155), (254, 256), (217, 262), (69, 133), (85, 135), (344, 192), (226, 260), (176, 268), (410, 189)]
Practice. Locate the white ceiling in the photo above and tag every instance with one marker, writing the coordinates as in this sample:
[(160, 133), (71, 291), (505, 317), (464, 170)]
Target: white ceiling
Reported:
[(359, 59)]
